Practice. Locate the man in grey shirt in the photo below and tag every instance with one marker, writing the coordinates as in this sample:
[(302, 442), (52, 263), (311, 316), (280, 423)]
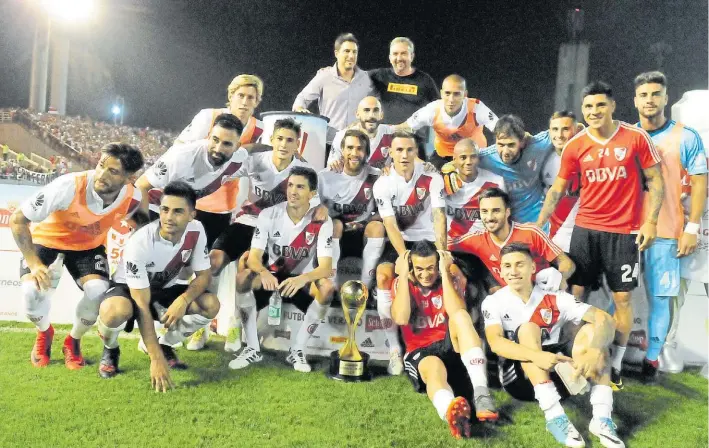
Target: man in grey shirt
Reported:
[(338, 89)]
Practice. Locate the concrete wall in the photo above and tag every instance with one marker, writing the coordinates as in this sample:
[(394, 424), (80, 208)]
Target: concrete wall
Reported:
[(20, 139)]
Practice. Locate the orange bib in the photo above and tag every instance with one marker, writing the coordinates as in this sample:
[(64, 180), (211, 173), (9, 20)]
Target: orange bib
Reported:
[(446, 137)]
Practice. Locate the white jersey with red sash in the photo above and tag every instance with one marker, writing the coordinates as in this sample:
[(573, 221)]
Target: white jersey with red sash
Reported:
[(463, 208), (150, 261), (348, 198), (293, 248), (379, 146)]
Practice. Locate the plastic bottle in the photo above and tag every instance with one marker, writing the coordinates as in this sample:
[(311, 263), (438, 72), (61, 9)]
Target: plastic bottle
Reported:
[(274, 308)]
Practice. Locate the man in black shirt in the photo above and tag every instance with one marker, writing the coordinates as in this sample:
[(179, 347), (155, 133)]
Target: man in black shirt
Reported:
[(402, 88)]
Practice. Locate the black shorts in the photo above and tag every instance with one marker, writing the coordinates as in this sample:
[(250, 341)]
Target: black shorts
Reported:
[(438, 161), (515, 382), (352, 243), (596, 253), (389, 255), (79, 263), (302, 299), (235, 240), (159, 299), (214, 225), (457, 375)]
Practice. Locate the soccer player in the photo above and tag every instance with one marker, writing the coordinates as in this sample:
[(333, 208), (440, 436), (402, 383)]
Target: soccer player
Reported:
[(501, 230), (562, 126), (463, 182), (519, 158), (369, 120), (612, 158), (681, 151), (441, 342), (523, 325), (452, 118), (337, 89), (299, 264), (409, 200), (70, 217), (151, 284), (349, 199)]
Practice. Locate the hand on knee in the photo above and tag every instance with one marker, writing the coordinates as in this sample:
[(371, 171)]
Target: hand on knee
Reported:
[(385, 276)]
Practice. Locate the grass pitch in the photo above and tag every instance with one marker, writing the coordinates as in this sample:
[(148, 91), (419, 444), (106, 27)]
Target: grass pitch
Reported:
[(271, 405)]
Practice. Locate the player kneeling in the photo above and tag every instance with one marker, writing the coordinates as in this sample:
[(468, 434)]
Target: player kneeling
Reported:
[(522, 325), (151, 284), (299, 264), (439, 335)]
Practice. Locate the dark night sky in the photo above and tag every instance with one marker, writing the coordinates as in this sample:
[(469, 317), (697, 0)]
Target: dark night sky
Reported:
[(170, 58)]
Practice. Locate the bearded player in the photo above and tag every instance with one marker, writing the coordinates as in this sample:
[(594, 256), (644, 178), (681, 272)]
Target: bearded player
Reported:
[(411, 204), (70, 217), (523, 325), (682, 152), (614, 160), (299, 266), (151, 283), (442, 345), (350, 202)]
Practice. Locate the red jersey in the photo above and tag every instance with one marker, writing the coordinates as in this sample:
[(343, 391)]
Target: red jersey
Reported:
[(611, 177), (482, 245), (429, 321)]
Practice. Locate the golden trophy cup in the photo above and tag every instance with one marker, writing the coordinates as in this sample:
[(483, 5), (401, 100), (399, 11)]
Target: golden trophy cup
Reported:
[(348, 363)]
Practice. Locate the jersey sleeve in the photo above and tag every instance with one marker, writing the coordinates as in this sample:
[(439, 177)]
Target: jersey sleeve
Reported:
[(437, 191), (324, 249), (491, 314), (336, 151), (58, 195), (198, 127), (569, 165), (545, 246), (485, 117), (692, 153), (571, 310), (646, 152), (423, 117), (381, 195), (168, 167), (263, 226), (135, 259), (135, 203), (200, 259)]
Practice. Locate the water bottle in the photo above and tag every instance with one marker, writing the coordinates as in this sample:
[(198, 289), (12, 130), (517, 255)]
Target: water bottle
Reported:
[(55, 270), (274, 308)]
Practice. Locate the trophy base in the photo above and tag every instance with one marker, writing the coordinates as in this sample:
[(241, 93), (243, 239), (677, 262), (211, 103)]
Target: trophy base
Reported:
[(349, 371)]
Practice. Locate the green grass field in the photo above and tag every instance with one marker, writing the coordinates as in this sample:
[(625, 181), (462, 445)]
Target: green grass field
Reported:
[(271, 405)]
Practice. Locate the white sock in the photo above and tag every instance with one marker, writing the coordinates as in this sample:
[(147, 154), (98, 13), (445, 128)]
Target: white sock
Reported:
[(109, 335), (476, 365), (249, 315), (36, 305), (87, 308), (602, 401), (441, 400), (313, 315), (391, 330), (335, 259), (617, 357), (548, 398), (370, 258), (184, 328)]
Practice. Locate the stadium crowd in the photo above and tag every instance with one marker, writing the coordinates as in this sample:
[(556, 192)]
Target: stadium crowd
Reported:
[(477, 251)]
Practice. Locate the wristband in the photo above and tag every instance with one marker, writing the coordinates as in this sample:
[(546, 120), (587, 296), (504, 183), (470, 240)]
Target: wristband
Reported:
[(692, 228)]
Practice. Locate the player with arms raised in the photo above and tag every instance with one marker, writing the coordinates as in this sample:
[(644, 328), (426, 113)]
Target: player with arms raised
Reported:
[(523, 324), (350, 202), (299, 264), (70, 217), (411, 204), (441, 343), (612, 158)]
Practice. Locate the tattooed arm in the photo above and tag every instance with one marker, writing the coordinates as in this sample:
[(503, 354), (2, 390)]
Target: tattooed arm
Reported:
[(554, 195), (656, 187), (440, 227)]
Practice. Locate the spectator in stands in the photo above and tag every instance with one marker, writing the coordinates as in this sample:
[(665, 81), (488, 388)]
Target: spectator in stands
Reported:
[(5, 152)]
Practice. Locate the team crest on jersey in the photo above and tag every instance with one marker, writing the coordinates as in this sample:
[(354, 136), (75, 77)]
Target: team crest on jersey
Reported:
[(619, 153), (532, 164), (368, 193), (309, 238), (186, 255), (385, 151), (420, 192), (546, 315), (437, 301)]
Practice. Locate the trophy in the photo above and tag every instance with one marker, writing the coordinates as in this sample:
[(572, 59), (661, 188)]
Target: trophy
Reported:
[(348, 363)]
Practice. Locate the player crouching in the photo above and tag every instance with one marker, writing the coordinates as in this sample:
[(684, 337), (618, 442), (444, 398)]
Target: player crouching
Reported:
[(523, 324), (439, 335), (151, 284), (299, 264)]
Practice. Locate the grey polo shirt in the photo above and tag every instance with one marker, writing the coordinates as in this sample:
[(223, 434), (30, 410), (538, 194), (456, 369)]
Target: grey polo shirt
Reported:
[(337, 98)]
